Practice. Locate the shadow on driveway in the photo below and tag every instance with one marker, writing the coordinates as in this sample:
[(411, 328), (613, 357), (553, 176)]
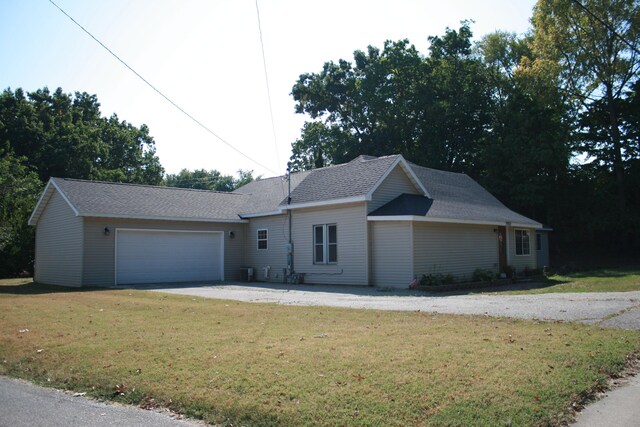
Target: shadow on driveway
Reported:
[(354, 290)]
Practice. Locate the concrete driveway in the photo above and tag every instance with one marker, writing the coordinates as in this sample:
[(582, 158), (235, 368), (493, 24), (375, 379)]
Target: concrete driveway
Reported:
[(613, 309)]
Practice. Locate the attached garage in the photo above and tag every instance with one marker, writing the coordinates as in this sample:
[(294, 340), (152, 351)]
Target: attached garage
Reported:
[(156, 256), (104, 234)]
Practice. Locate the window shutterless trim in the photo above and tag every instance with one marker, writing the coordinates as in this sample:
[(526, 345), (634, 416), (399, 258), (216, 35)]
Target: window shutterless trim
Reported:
[(324, 244), (264, 239), (521, 247)]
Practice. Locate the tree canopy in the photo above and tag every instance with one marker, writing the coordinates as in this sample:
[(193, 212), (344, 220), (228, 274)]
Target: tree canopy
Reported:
[(547, 121), (45, 134), (202, 179)]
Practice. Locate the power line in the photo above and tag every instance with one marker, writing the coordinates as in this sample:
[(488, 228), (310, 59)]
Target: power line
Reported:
[(606, 25), (160, 93), (266, 77)]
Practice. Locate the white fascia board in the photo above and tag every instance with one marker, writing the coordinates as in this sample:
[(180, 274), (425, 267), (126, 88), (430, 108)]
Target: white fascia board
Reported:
[(256, 215), (325, 203), (530, 225), (431, 219), (48, 192), (414, 177), (163, 218)]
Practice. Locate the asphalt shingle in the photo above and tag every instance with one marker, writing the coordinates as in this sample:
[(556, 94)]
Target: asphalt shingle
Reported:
[(95, 198)]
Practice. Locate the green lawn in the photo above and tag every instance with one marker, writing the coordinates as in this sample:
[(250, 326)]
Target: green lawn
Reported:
[(238, 363), (604, 280)]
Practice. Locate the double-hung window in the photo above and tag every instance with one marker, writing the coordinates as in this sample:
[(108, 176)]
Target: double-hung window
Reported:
[(325, 244), (522, 242), (263, 239)]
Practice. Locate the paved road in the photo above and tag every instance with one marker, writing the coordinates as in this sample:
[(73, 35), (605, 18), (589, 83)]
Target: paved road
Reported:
[(608, 309), (24, 405)]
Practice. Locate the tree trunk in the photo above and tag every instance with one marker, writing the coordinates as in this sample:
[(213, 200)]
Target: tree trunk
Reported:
[(618, 168)]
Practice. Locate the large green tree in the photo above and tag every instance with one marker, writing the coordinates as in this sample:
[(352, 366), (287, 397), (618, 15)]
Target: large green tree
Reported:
[(595, 44), (19, 191), (527, 149), (44, 134), (64, 135), (430, 109)]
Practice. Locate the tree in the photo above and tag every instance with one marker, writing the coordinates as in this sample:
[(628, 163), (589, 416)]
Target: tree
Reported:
[(19, 191), (596, 46), (64, 135), (395, 100), (527, 149), (202, 179), (44, 134)]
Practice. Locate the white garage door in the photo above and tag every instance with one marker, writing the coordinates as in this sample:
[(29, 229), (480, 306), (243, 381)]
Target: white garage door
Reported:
[(158, 256)]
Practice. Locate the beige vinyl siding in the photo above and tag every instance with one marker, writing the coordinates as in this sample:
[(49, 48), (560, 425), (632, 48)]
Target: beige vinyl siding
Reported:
[(457, 249), (520, 262), (395, 184), (99, 262), (59, 244), (275, 256), (351, 268), (391, 253)]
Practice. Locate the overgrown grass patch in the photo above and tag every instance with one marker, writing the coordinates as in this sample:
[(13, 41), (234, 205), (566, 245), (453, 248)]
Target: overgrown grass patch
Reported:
[(258, 364)]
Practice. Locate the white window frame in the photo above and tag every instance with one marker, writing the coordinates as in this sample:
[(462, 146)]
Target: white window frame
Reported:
[(325, 244), (521, 247), (265, 239)]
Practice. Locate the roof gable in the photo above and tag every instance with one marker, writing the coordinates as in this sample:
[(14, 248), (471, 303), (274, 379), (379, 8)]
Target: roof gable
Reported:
[(46, 195)]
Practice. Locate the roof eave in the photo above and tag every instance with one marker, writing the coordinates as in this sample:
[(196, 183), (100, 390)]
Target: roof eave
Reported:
[(164, 218), (417, 218), (320, 203)]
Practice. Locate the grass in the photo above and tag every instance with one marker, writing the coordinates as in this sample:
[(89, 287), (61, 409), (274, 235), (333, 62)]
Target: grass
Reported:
[(603, 280), (235, 363)]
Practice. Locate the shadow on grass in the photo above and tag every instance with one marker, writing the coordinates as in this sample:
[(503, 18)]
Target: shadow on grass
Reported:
[(35, 288), (523, 286), (604, 273)]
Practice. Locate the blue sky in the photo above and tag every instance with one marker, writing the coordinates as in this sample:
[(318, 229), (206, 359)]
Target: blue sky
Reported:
[(205, 55)]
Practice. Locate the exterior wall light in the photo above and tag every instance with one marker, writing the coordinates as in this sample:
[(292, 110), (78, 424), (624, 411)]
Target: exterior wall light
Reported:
[(107, 231)]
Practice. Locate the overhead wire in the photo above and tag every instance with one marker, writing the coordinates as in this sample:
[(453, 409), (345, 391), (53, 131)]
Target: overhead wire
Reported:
[(266, 78), (199, 123), (606, 25)]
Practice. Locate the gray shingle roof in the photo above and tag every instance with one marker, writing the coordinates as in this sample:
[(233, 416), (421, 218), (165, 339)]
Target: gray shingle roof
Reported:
[(94, 198), (453, 196), (351, 179), (267, 194)]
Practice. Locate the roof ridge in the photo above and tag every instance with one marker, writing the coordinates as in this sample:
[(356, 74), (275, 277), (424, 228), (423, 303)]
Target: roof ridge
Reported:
[(162, 187)]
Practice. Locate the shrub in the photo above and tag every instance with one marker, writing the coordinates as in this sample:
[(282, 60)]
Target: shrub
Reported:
[(483, 275), (437, 279)]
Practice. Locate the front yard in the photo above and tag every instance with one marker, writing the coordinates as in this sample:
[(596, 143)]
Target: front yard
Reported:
[(260, 364)]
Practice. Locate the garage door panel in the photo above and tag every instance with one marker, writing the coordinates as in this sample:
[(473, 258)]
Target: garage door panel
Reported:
[(146, 256)]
